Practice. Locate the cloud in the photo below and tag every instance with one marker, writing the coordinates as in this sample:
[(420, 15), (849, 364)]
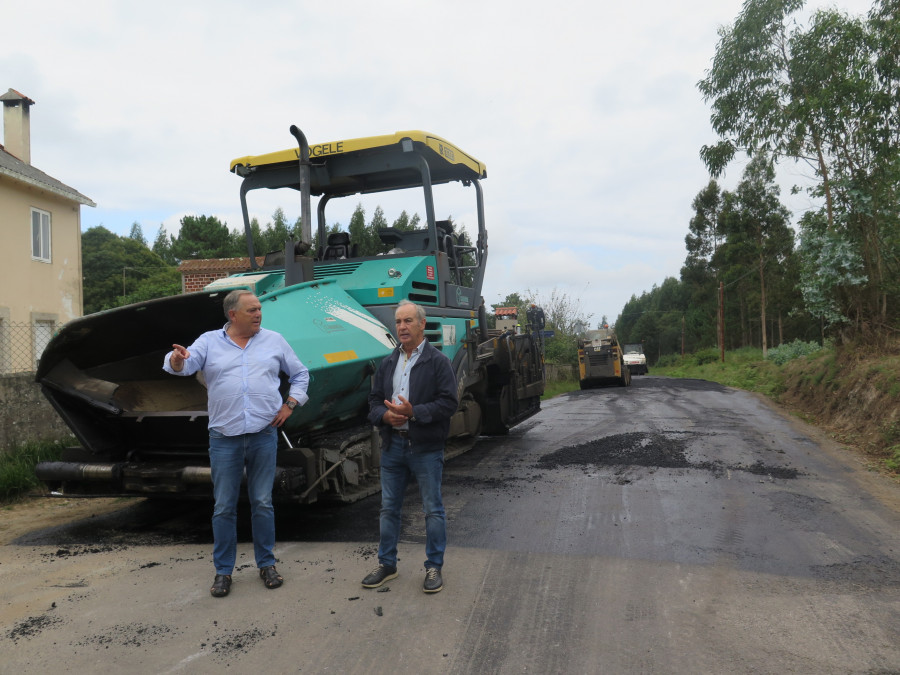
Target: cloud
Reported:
[(586, 114)]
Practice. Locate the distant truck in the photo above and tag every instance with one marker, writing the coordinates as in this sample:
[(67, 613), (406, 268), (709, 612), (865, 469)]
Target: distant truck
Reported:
[(635, 359), (600, 360)]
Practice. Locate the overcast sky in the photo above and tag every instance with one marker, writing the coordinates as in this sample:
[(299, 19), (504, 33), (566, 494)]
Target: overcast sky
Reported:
[(586, 114)]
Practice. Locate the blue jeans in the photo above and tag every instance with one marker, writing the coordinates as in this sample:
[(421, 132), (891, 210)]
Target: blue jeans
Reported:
[(227, 457), (399, 463)]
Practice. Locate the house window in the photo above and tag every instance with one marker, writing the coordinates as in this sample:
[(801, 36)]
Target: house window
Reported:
[(40, 235)]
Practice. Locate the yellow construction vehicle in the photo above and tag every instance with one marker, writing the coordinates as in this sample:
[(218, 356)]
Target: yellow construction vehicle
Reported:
[(600, 359)]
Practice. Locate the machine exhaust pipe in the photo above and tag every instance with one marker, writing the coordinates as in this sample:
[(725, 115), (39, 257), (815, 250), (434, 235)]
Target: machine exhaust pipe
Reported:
[(298, 271), (56, 471), (161, 479)]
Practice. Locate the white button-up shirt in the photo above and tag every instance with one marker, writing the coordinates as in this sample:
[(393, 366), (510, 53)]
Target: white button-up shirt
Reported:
[(401, 375), (243, 383)]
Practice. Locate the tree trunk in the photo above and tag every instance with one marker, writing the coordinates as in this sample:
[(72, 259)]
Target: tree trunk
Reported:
[(743, 322), (780, 329), (762, 303)]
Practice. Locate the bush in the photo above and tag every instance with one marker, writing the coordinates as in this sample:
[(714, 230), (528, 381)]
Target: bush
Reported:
[(792, 350), (17, 467), (705, 356), (668, 361), (893, 460)]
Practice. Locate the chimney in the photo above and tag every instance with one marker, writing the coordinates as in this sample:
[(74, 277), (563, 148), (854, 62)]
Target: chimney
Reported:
[(17, 124)]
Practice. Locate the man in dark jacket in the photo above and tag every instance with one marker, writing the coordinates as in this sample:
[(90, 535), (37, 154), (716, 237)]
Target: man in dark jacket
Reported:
[(412, 400)]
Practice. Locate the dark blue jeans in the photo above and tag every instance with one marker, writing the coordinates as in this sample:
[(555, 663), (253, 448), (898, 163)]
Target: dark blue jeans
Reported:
[(227, 457), (399, 463)]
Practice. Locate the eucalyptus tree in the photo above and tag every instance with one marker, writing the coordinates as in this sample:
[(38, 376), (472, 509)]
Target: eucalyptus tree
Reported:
[(757, 231), (827, 95), (701, 271)]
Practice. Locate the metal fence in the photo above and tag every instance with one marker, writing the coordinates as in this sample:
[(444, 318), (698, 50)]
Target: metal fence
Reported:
[(21, 345)]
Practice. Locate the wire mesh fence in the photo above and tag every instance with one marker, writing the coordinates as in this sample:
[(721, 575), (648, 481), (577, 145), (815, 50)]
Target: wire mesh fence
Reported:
[(21, 345)]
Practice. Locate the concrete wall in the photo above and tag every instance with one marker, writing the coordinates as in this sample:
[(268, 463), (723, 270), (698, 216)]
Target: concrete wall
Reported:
[(25, 415)]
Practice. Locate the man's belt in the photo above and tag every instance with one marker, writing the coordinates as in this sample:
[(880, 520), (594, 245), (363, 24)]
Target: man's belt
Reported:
[(402, 433)]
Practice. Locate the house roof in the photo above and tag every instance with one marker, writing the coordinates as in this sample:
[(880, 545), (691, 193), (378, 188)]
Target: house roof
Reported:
[(506, 311), (218, 265), (15, 168)]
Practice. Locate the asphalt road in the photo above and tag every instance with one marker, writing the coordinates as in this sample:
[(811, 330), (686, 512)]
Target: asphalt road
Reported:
[(675, 526)]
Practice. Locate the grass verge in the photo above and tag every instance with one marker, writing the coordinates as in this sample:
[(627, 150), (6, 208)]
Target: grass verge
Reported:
[(17, 467), (558, 387), (742, 369)]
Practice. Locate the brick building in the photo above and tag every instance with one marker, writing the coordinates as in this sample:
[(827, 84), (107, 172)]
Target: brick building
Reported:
[(196, 274)]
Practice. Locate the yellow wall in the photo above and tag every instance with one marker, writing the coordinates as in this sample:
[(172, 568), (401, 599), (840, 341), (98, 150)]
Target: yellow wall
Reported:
[(32, 290)]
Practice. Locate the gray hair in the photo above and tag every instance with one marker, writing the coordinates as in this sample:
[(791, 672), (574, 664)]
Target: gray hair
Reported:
[(230, 303), (420, 311)]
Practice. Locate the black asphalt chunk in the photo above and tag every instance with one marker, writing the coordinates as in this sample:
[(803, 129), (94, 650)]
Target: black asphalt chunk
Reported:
[(661, 450)]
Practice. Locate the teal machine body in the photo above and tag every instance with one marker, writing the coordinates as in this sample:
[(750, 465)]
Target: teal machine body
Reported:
[(142, 431)]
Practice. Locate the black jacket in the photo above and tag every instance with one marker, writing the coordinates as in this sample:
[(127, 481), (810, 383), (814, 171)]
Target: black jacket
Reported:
[(432, 392)]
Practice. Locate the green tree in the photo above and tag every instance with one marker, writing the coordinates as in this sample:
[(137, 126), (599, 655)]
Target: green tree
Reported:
[(757, 231), (160, 282), (137, 233), (656, 318), (705, 236), (404, 223), (646, 331), (277, 232), (564, 316), (260, 244), (828, 95), (357, 229), (162, 246), (830, 268), (202, 237), (372, 244), (700, 273), (113, 267)]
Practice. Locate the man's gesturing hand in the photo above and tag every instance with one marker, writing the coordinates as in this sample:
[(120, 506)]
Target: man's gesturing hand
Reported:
[(179, 354), (398, 413)]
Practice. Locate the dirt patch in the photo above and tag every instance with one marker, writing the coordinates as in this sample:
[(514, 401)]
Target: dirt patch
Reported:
[(852, 392), (38, 513)]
